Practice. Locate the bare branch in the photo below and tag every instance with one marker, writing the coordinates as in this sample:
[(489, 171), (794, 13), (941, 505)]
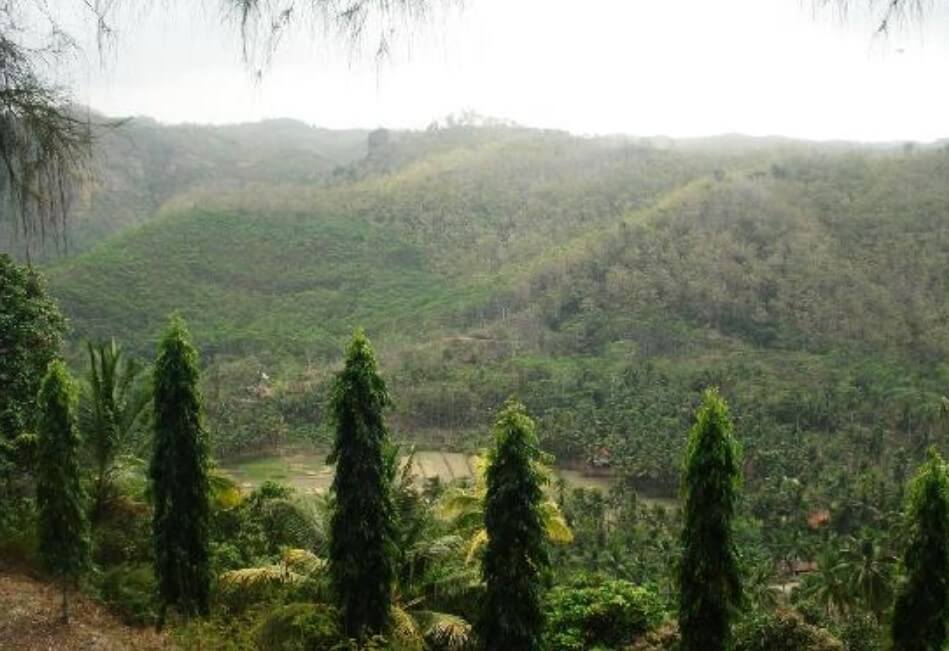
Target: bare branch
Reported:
[(888, 14), (360, 25)]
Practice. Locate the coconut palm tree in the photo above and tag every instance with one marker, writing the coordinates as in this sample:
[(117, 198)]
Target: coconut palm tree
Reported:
[(463, 506), (869, 571), (827, 586), (114, 403)]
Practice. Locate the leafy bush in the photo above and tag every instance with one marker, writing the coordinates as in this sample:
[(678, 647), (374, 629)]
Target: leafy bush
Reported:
[(608, 613), (783, 631), (300, 627), (18, 536), (861, 633), (124, 533), (129, 590)]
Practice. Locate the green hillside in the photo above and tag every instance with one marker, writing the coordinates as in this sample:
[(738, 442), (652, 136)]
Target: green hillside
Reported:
[(139, 164), (606, 281)]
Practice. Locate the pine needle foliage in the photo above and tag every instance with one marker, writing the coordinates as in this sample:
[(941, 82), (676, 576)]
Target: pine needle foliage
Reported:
[(179, 476), (922, 604), (709, 582), (363, 528), (63, 527), (515, 555)]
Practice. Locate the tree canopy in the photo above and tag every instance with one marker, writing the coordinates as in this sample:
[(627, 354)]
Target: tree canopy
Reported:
[(179, 477), (515, 557), (709, 579), (922, 605), (362, 535), (31, 330), (60, 498)]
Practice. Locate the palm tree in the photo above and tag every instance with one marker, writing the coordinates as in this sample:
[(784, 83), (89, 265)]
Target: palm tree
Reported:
[(431, 572), (115, 400), (868, 569), (463, 506), (431, 575), (764, 589), (827, 585)]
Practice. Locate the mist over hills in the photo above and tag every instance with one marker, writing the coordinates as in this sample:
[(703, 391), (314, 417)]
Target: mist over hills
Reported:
[(604, 280)]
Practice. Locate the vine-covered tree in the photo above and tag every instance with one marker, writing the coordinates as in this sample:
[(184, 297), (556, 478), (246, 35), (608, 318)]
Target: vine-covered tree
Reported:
[(114, 404), (31, 329), (363, 528), (922, 604), (709, 582), (515, 556), (63, 527), (179, 476)]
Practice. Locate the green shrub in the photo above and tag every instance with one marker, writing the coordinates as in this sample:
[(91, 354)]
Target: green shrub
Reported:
[(861, 633), (129, 590), (608, 613), (123, 536), (783, 631), (300, 627), (19, 541)]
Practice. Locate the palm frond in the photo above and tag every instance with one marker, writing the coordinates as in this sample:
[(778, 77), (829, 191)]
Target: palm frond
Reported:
[(303, 560), (224, 490), (255, 577), (477, 542), (405, 631), (444, 631), (457, 503), (558, 531)]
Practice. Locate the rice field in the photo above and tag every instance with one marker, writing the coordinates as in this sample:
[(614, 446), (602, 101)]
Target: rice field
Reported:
[(307, 471)]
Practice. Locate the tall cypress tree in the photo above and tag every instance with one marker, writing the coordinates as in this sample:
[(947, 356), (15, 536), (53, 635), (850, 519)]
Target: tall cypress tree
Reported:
[(709, 582), (922, 605), (515, 556), (179, 476), (63, 527), (362, 548)]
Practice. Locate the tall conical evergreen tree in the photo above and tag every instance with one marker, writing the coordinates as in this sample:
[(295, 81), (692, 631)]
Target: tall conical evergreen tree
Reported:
[(515, 556), (709, 582), (179, 476), (362, 534), (922, 605), (63, 527)]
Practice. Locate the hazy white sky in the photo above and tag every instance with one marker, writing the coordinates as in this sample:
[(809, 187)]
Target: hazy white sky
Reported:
[(643, 67)]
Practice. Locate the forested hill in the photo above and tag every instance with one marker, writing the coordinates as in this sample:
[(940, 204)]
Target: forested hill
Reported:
[(139, 164), (605, 280)]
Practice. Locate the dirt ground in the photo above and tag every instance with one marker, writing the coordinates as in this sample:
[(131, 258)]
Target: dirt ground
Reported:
[(30, 621)]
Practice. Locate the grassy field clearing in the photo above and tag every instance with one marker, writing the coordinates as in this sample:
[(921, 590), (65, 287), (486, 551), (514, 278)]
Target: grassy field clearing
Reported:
[(306, 471)]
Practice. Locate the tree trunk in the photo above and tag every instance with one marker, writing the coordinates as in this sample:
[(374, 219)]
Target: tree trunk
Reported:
[(160, 621), (100, 489), (65, 600)]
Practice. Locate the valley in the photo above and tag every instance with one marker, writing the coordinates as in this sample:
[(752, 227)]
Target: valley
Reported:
[(615, 288)]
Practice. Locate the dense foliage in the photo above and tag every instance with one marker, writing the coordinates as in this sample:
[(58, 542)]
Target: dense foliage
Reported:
[(599, 614), (362, 536), (606, 282), (709, 579), (60, 498), (922, 607), (31, 329), (115, 403), (515, 556), (179, 477)]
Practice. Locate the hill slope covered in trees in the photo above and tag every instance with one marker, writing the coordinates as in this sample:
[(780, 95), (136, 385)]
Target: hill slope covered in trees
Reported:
[(604, 280)]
